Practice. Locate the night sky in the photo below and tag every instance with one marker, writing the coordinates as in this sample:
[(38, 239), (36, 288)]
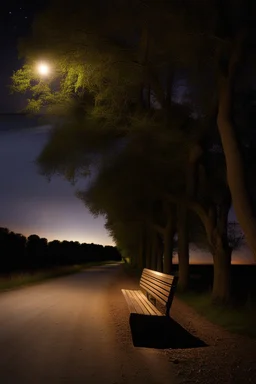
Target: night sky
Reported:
[(28, 202), (16, 21)]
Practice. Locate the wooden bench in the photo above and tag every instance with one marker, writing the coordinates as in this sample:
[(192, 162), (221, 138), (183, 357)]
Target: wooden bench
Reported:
[(155, 287)]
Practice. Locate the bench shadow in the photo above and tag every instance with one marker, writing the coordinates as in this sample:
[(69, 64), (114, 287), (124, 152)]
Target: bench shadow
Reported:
[(161, 332)]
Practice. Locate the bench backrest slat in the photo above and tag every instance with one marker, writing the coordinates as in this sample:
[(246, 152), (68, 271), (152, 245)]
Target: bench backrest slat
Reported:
[(154, 280), (158, 275), (159, 285), (163, 288), (156, 294)]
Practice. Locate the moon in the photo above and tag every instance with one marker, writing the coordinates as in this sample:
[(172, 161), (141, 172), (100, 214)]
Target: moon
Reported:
[(43, 69)]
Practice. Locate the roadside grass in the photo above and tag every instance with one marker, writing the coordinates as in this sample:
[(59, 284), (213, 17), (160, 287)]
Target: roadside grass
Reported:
[(21, 279), (234, 319)]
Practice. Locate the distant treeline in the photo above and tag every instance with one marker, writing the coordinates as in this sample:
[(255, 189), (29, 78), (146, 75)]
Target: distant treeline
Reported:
[(18, 253)]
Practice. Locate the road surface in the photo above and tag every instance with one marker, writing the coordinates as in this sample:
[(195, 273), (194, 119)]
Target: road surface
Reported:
[(73, 330)]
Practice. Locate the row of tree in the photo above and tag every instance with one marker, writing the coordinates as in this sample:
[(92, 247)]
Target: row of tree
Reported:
[(167, 163), (19, 253)]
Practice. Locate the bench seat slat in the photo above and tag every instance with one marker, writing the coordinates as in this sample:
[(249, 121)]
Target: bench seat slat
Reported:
[(142, 308), (139, 305), (128, 300), (134, 307), (150, 307)]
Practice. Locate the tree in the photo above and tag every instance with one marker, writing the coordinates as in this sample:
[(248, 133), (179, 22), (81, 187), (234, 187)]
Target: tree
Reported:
[(233, 31), (12, 246), (36, 250), (130, 190)]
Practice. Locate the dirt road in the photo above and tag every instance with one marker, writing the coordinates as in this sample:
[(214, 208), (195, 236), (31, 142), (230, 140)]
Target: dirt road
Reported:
[(73, 330)]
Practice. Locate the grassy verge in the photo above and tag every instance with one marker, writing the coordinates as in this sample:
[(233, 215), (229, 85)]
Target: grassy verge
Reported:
[(238, 320), (17, 280)]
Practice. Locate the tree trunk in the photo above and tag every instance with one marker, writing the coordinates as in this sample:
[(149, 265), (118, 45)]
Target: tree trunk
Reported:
[(141, 258), (159, 267), (159, 260), (222, 254), (132, 259), (221, 277), (234, 164), (148, 248), (154, 250), (168, 249), (168, 245), (236, 182), (183, 235), (216, 231), (183, 248)]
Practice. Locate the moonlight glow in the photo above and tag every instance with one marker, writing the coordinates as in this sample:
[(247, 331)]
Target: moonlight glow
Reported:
[(43, 69)]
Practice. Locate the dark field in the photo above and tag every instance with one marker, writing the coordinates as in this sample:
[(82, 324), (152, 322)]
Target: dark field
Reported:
[(243, 280)]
